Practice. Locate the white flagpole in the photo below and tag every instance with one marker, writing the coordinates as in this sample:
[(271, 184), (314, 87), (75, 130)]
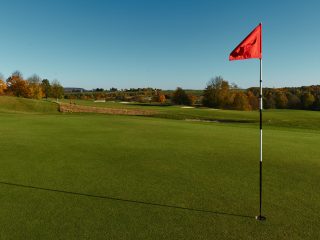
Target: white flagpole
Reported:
[(260, 217)]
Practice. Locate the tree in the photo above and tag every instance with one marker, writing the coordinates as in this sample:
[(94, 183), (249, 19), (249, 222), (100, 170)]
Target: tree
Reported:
[(307, 100), (17, 86), (294, 102), (17, 74), (253, 100), (162, 98), (217, 93), (35, 87), (3, 85), (316, 103), (241, 101), (192, 98), (159, 97), (281, 100), (180, 97), (268, 101), (46, 88), (56, 90), (113, 89)]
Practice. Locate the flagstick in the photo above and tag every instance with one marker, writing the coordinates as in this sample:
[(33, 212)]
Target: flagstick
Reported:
[(260, 217)]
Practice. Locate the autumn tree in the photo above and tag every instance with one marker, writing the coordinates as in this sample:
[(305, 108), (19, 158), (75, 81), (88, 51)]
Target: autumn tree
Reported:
[(3, 85), (17, 74), (294, 101), (159, 97), (307, 100), (35, 88), (268, 101), (193, 99), (162, 98), (180, 97), (281, 100), (253, 100), (241, 101), (216, 93), (17, 86)]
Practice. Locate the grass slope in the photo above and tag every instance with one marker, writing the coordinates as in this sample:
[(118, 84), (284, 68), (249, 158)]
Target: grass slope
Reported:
[(195, 165), (23, 105)]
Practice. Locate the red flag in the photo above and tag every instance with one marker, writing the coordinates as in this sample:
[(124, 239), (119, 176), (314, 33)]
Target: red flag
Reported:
[(250, 47)]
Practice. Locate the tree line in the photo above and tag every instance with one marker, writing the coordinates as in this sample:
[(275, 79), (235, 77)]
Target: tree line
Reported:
[(32, 87), (219, 93)]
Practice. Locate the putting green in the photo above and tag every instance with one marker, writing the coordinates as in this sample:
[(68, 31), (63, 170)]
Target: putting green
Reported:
[(87, 176)]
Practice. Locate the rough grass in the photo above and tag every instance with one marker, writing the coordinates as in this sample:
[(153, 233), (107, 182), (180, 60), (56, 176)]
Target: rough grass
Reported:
[(148, 176)]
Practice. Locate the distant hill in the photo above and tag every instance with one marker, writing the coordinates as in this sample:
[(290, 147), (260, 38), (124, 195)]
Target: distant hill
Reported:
[(16, 104)]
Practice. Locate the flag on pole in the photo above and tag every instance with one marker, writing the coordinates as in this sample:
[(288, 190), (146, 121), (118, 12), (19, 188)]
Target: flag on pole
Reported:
[(250, 47)]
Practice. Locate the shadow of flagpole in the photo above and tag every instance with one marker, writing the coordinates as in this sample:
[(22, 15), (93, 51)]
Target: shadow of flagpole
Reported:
[(125, 200)]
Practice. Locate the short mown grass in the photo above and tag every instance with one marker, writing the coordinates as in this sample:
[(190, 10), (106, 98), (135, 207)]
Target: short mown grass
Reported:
[(91, 176)]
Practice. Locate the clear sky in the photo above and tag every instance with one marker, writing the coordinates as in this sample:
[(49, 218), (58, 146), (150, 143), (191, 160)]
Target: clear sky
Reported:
[(161, 44)]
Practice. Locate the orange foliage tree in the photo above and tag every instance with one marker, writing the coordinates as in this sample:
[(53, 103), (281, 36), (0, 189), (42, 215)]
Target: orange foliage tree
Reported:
[(253, 100), (241, 101), (3, 87), (35, 88), (17, 86)]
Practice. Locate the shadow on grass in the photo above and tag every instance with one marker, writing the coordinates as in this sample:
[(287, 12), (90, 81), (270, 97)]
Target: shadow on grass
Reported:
[(125, 200), (151, 104), (199, 119)]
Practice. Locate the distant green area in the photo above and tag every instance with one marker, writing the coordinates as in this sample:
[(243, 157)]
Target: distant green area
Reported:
[(271, 117), (122, 177)]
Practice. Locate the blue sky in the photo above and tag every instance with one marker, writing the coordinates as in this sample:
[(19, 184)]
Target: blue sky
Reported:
[(161, 44)]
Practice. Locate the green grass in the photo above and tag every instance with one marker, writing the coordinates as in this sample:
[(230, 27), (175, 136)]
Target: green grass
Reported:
[(195, 165), (271, 118), (23, 105)]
